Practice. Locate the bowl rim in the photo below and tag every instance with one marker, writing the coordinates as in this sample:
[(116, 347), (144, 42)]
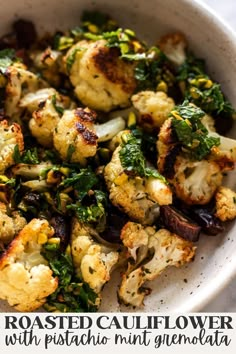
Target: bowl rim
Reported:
[(228, 273)]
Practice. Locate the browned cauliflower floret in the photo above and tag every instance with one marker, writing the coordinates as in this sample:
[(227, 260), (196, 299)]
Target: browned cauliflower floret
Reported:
[(20, 81), (45, 107), (43, 123), (49, 64), (93, 261), (25, 277), (10, 137), (102, 80), (138, 197), (167, 149), (225, 153), (160, 249), (9, 225), (74, 137), (174, 47), (153, 108), (194, 181), (225, 204), (32, 101)]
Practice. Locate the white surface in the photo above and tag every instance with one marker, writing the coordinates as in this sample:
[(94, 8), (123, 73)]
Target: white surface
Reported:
[(215, 262), (226, 300)]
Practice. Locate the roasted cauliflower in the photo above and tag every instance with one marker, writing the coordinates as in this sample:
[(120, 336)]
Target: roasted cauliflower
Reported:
[(195, 182), (10, 137), (102, 80), (74, 136), (93, 261), (49, 64), (225, 204), (10, 225), (174, 46), (25, 277), (32, 101), (192, 156), (43, 123), (153, 108), (138, 197), (160, 249), (20, 81)]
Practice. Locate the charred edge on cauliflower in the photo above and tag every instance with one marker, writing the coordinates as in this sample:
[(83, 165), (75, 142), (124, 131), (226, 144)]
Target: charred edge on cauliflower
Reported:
[(89, 136), (75, 136)]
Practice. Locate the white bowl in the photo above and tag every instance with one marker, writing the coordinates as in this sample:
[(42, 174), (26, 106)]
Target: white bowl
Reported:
[(193, 286)]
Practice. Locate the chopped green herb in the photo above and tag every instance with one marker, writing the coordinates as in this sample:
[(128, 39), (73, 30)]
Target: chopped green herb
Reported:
[(59, 109), (98, 22), (7, 57), (201, 90), (62, 42), (91, 210), (70, 151), (16, 154), (72, 294), (71, 58), (29, 156), (190, 132), (132, 158), (82, 182)]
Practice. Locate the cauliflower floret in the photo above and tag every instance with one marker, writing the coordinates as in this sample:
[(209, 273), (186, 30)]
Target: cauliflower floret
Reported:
[(25, 277), (93, 261), (163, 249), (167, 150), (138, 197), (19, 82), (49, 63), (102, 80), (74, 137), (225, 153), (10, 226), (195, 182), (43, 123), (174, 47), (225, 204), (153, 107), (10, 137), (32, 101)]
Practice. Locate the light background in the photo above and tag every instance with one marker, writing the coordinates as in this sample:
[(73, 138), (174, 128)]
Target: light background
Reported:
[(226, 300)]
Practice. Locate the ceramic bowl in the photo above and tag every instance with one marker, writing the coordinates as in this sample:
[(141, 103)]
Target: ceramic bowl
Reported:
[(193, 286)]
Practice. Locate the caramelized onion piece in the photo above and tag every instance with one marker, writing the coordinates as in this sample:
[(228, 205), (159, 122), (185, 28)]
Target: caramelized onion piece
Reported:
[(180, 224), (206, 219)]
